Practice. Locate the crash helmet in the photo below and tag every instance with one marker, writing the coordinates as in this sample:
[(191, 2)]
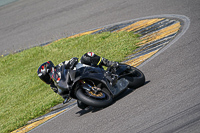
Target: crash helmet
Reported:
[(43, 71)]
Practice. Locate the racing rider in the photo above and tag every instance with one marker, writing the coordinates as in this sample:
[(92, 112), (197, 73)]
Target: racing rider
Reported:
[(89, 58)]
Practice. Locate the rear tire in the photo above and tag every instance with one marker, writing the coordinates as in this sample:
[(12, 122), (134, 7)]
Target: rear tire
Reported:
[(88, 100), (136, 79)]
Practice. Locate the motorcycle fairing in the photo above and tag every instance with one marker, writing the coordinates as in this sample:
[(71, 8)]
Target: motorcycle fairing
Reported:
[(121, 85), (98, 74)]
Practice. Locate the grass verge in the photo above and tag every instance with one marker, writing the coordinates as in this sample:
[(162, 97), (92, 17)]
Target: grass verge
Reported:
[(23, 96)]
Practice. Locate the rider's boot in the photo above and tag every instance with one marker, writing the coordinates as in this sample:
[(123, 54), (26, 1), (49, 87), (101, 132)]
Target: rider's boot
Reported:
[(66, 99)]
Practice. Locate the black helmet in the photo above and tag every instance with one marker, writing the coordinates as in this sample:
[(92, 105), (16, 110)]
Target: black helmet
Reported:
[(43, 71)]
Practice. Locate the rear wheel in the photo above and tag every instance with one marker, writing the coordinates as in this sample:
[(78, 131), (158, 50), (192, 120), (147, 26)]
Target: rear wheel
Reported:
[(136, 78), (99, 99)]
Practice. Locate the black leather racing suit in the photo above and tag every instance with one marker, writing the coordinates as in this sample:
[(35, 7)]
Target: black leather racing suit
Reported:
[(89, 59)]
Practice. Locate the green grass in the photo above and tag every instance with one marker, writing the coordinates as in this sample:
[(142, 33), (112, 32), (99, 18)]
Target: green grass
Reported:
[(23, 96)]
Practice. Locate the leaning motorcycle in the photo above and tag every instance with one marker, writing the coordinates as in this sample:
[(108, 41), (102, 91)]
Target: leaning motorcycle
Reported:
[(94, 86)]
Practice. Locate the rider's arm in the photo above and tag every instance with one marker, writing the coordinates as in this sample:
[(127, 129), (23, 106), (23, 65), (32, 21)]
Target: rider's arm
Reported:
[(70, 63), (107, 63), (65, 63)]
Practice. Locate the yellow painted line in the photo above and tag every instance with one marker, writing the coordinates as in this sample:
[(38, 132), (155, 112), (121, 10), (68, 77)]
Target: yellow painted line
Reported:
[(85, 33), (77, 35), (140, 24), (148, 23), (136, 62), (151, 38), (160, 34), (35, 124)]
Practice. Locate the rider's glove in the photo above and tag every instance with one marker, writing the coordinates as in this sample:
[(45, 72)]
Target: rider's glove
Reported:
[(115, 64), (73, 62)]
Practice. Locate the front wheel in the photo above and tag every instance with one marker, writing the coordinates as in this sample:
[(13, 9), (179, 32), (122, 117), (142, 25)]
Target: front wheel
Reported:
[(100, 99)]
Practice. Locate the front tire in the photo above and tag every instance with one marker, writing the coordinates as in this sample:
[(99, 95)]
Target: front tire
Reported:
[(83, 96)]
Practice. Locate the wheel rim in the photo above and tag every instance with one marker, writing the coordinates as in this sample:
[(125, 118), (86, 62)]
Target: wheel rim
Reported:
[(98, 95)]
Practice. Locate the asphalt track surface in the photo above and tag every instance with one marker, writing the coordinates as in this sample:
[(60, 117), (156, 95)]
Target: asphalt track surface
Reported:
[(170, 100)]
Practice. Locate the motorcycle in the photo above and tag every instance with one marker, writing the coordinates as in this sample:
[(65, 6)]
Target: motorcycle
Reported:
[(94, 86)]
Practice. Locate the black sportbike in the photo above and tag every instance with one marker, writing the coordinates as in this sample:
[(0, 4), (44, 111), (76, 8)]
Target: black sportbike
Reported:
[(94, 86)]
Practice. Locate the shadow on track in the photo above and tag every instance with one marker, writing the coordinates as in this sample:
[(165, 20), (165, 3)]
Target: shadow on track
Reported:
[(120, 96), (127, 92)]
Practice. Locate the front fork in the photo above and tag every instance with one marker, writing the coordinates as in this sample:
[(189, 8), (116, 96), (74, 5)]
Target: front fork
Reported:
[(88, 87)]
